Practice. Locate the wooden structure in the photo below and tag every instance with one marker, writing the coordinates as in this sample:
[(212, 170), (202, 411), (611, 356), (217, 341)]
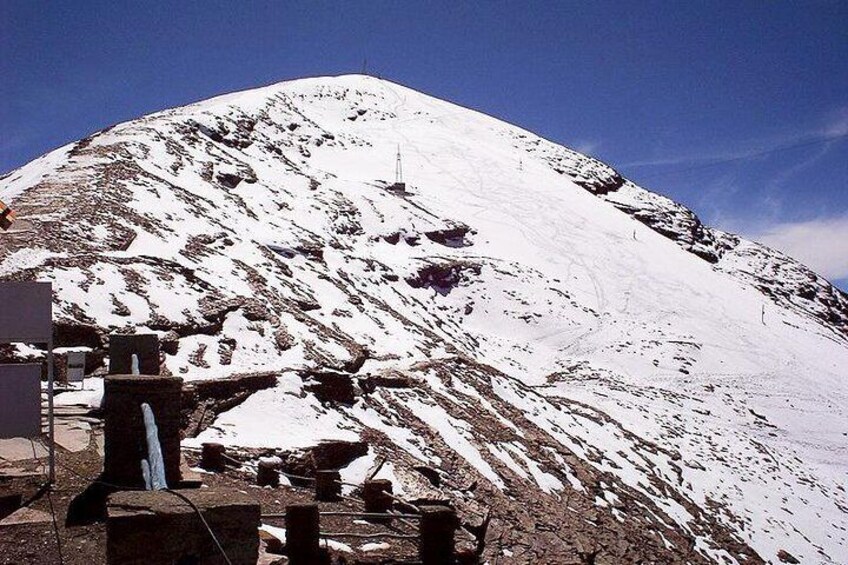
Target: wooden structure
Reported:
[(7, 216)]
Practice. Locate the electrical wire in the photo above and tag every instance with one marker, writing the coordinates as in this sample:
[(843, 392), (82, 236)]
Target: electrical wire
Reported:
[(119, 487), (55, 526), (205, 523), (52, 508)]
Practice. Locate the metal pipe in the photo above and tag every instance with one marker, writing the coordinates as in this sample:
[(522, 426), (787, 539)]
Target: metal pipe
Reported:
[(50, 431)]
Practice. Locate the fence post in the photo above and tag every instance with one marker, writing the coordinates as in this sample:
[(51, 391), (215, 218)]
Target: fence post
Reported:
[(212, 457), (376, 493), (267, 474), (438, 525), (302, 534), (328, 487)]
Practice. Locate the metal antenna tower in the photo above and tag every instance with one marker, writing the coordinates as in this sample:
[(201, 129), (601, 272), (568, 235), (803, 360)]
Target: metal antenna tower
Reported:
[(398, 169)]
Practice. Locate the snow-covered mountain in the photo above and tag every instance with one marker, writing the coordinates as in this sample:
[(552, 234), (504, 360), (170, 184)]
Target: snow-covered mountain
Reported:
[(617, 381)]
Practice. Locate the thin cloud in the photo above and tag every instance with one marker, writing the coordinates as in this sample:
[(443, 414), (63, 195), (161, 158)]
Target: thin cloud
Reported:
[(587, 147), (838, 124), (835, 127), (821, 244)]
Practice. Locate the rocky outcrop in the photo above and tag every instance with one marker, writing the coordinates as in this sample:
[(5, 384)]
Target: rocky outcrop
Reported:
[(202, 401), (443, 277)]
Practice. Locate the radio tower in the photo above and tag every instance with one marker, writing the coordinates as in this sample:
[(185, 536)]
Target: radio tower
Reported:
[(398, 169), (399, 185)]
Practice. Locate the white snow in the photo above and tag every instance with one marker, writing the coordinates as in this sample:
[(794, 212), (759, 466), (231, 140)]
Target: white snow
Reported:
[(586, 310)]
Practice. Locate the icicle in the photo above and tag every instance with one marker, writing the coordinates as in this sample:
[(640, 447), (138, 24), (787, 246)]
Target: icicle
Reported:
[(134, 369), (154, 451), (145, 472)]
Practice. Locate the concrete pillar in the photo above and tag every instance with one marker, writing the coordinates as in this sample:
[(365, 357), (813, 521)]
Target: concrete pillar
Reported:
[(144, 346), (375, 494), (267, 475), (125, 441), (302, 534), (438, 525), (328, 487), (212, 457)]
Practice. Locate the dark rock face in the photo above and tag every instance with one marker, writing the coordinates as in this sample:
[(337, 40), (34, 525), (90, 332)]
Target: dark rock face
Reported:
[(229, 180), (371, 383), (337, 454), (601, 186), (329, 386), (450, 237), (786, 557), (443, 277), (67, 333)]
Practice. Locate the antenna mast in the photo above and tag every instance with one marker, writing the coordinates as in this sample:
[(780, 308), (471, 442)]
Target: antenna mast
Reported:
[(398, 169)]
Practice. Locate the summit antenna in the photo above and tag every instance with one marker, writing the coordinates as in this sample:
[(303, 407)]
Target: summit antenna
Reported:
[(398, 168), (399, 185)]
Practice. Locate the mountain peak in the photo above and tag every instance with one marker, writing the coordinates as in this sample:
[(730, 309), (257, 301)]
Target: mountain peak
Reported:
[(554, 331)]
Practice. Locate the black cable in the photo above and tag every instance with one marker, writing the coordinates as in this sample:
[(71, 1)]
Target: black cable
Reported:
[(55, 526), (52, 508), (119, 487), (184, 498)]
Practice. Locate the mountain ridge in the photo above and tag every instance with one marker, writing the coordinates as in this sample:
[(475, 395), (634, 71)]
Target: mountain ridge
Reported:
[(541, 308)]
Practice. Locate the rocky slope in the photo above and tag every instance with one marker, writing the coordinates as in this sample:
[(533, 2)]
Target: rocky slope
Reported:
[(520, 323)]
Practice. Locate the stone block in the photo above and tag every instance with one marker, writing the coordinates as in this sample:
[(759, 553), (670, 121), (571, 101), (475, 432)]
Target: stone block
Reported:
[(157, 527)]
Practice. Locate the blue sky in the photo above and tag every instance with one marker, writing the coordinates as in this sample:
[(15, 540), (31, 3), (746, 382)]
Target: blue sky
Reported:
[(737, 109)]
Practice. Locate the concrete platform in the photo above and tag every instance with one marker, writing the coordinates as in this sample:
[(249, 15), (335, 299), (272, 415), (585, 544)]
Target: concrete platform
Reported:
[(20, 449), (26, 516)]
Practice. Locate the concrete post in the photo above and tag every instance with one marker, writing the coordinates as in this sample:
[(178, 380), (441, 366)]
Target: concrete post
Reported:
[(438, 525), (376, 497), (212, 457), (302, 534), (328, 487), (267, 475)]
